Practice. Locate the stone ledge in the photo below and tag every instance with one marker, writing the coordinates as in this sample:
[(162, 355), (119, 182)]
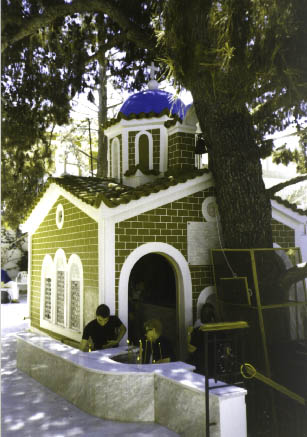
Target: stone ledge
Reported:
[(170, 393)]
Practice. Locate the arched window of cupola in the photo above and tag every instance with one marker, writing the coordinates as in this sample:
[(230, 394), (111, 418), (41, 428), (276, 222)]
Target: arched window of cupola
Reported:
[(115, 159), (144, 150)]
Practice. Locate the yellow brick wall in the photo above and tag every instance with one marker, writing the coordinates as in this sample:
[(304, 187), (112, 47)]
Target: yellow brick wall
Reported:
[(167, 224), (78, 235)]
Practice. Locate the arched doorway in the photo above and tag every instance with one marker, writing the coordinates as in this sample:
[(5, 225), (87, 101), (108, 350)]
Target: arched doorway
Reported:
[(183, 280), (152, 295)]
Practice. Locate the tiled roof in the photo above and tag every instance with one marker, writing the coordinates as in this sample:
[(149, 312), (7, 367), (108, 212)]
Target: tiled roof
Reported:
[(289, 205), (93, 190), (153, 100), (142, 115)]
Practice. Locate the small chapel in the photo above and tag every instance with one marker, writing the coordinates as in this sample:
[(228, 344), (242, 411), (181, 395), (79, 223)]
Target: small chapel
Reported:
[(140, 239)]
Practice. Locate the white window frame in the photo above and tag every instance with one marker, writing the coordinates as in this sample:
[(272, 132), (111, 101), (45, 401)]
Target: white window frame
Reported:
[(50, 266), (47, 272), (74, 260), (59, 216), (115, 151), (60, 260), (150, 148)]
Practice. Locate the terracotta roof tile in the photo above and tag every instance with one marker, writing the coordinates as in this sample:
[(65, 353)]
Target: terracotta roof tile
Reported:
[(93, 191), (289, 205)]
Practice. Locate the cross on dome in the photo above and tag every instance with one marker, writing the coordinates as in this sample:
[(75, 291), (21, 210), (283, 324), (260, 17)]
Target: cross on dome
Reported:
[(152, 70), (153, 84)]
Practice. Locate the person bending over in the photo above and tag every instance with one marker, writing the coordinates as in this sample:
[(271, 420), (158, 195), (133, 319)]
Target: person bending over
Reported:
[(156, 348), (103, 332)]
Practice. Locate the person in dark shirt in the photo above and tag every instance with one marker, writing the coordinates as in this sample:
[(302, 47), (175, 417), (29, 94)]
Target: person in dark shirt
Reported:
[(196, 341), (155, 348), (103, 332)]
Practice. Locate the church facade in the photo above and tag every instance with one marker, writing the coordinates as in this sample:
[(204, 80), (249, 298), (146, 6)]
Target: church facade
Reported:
[(152, 222)]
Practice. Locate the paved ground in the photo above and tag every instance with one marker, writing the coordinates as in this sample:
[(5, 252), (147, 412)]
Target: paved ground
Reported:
[(31, 410)]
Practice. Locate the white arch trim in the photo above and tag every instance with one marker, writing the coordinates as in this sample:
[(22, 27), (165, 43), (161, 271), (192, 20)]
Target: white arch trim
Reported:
[(74, 259), (150, 148), (203, 298), (48, 271), (115, 155), (183, 281)]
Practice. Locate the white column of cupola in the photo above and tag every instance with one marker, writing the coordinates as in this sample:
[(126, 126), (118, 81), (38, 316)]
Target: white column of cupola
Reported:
[(125, 152)]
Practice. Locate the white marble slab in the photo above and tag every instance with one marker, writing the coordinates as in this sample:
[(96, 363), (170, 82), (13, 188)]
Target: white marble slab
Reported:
[(169, 393)]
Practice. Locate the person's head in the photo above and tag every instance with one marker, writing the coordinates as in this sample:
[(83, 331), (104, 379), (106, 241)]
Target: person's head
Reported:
[(102, 314), (153, 329), (207, 313), (140, 285)]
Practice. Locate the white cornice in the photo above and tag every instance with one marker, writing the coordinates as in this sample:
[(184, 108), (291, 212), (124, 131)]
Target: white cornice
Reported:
[(45, 204), (113, 131), (155, 200), (135, 124), (181, 128)]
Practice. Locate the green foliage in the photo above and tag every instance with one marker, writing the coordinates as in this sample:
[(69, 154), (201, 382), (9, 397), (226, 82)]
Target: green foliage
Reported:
[(284, 155), (299, 197), (44, 70), (245, 63), (22, 175), (245, 53)]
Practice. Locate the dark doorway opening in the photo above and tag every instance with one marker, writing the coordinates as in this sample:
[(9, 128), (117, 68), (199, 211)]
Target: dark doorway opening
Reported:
[(152, 295)]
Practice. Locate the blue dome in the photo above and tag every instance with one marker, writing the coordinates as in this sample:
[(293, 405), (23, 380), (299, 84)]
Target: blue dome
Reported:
[(153, 101)]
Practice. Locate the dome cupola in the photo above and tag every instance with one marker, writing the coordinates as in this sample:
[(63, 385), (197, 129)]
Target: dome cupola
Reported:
[(155, 102), (149, 137)]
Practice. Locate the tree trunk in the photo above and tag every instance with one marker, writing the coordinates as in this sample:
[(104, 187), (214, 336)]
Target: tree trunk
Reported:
[(102, 158), (244, 205)]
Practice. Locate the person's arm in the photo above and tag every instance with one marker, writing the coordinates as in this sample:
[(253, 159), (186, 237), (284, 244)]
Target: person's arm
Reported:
[(164, 360), (84, 345), (86, 342), (165, 352), (121, 332), (191, 347)]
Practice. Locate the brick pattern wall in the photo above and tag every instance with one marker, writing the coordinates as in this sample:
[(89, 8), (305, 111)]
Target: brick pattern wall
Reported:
[(131, 148), (181, 150), (156, 148), (167, 224), (282, 234), (79, 235)]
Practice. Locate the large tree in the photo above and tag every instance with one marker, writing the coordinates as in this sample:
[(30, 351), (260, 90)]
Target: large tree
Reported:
[(43, 71), (245, 63)]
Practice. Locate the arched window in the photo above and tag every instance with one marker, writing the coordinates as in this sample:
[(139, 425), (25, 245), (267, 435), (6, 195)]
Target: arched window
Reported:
[(115, 158), (47, 285), (61, 308), (144, 150), (60, 269), (75, 292)]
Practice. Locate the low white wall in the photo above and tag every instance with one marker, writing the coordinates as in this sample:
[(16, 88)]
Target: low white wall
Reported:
[(170, 394)]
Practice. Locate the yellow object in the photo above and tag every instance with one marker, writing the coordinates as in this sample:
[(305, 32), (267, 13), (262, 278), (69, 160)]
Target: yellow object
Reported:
[(248, 372), (223, 326)]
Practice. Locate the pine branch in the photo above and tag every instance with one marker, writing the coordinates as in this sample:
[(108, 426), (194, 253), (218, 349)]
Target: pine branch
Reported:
[(27, 27), (278, 187)]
